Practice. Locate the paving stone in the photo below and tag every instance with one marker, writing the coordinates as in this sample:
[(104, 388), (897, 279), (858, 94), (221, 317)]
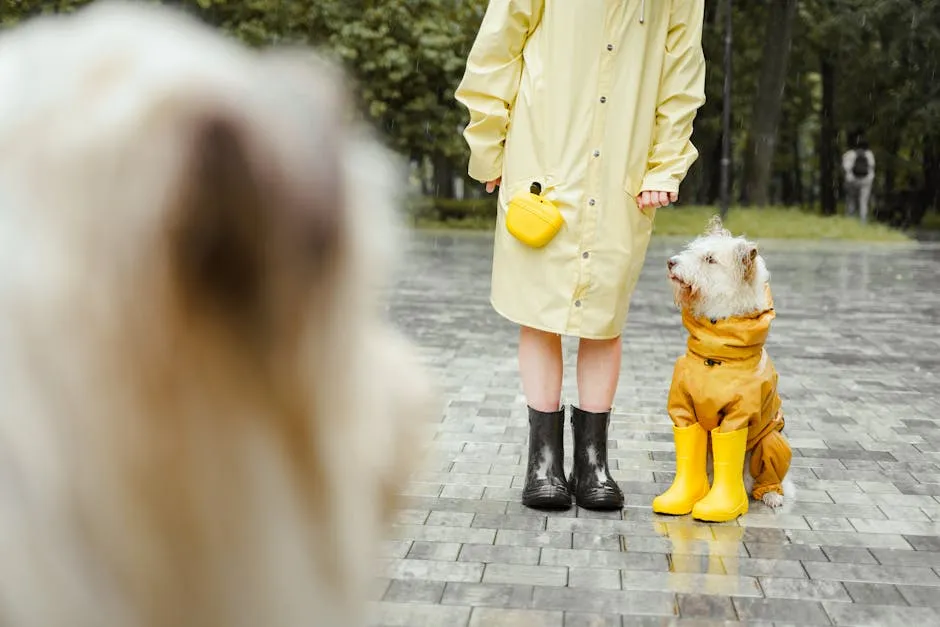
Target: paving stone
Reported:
[(691, 583), (804, 589), (800, 612), (888, 557), (857, 353), (526, 574), (873, 574), (881, 615), (605, 601), (493, 617), (441, 551), (409, 615), (452, 519), (434, 571), (395, 548), (706, 607), (852, 555), (411, 517), (596, 541), (414, 591), (874, 593), (488, 595), (597, 578), (488, 553), (446, 534), (751, 567), (505, 521), (515, 537), (800, 552), (456, 505), (581, 619), (924, 543), (920, 595), (469, 492), (604, 559)]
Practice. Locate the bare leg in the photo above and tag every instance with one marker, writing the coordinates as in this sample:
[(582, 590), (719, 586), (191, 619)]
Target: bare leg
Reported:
[(864, 194), (540, 366), (851, 199), (598, 372)]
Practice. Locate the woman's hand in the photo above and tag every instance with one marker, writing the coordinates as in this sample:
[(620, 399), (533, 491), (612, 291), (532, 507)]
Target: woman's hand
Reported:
[(492, 185), (655, 200)]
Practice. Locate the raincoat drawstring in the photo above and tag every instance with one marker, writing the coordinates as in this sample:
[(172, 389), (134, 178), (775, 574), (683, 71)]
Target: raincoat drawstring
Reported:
[(642, 11)]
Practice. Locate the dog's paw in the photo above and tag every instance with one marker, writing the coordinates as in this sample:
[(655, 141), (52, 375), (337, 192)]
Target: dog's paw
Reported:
[(772, 500)]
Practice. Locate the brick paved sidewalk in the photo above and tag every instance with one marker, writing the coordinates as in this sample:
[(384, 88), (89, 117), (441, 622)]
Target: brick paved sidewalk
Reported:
[(857, 346)]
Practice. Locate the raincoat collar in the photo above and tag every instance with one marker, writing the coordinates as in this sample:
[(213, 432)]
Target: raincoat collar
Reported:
[(732, 339)]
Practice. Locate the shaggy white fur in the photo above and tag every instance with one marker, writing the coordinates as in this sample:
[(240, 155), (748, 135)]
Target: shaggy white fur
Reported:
[(719, 275), (206, 417)]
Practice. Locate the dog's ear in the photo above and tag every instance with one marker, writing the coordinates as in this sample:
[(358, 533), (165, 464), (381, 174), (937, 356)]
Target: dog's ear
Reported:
[(747, 254), (219, 225), (715, 226), (248, 213)]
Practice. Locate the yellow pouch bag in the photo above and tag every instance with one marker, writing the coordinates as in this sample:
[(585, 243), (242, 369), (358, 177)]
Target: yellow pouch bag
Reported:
[(533, 219)]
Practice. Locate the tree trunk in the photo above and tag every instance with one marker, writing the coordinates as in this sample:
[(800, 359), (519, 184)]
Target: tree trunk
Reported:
[(827, 136), (761, 140), (443, 177), (798, 169), (931, 173), (714, 173)]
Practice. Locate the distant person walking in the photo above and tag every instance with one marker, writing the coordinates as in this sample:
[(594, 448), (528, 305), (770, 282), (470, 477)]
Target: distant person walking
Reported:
[(859, 166)]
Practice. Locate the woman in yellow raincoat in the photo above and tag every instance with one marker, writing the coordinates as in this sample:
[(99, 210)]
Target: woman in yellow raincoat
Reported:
[(593, 100)]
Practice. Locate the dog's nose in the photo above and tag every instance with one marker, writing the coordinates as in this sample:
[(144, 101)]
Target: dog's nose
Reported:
[(671, 263)]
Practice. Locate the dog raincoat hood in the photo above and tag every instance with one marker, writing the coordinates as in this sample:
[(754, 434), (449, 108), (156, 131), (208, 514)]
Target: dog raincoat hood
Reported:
[(594, 100), (737, 338)]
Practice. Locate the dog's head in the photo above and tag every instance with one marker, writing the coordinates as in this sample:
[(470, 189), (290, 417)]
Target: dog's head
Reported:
[(215, 180), (718, 275)]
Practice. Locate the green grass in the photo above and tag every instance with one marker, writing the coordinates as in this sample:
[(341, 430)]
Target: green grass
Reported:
[(773, 223), (767, 223), (931, 222)]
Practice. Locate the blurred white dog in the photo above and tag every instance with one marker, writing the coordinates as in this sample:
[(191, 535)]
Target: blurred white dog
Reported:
[(205, 417)]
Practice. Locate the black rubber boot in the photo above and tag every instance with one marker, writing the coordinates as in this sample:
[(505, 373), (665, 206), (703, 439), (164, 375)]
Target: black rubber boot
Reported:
[(545, 485), (590, 480)]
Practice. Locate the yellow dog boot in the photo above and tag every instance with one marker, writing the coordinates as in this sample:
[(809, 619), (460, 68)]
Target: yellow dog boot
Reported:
[(727, 499), (691, 482)]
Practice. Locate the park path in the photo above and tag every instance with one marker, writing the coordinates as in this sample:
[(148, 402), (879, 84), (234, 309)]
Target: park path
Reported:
[(857, 345)]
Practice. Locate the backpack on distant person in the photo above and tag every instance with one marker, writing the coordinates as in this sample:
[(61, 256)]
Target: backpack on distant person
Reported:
[(861, 167)]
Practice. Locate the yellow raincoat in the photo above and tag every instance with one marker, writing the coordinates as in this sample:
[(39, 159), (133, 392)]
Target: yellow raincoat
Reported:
[(726, 379), (593, 99)]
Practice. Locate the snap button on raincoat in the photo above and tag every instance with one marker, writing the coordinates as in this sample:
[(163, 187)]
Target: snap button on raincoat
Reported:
[(594, 100), (726, 379)]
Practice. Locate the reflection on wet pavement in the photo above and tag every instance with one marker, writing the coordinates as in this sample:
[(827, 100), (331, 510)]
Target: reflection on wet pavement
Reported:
[(857, 346)]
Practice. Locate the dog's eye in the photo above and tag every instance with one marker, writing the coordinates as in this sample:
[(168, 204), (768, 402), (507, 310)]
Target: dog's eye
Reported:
[(710, 259)]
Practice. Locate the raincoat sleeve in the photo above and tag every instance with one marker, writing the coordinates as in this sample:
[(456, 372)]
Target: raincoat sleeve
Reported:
[(491, 80), (681, 93)]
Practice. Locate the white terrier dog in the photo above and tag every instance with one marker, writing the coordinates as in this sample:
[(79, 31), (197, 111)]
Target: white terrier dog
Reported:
[(726, 381), (206, 417)]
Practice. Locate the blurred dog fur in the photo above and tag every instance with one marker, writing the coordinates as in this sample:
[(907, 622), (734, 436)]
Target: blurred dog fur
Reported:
[(206, 417)]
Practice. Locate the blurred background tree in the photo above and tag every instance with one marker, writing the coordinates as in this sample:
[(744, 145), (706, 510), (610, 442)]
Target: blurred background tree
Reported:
[(808, 76)]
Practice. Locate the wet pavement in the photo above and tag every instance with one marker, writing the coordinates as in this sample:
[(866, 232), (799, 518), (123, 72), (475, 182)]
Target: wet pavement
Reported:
[(857, 345)]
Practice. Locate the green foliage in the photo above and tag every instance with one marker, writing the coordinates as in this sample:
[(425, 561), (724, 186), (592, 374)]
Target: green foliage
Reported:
[(407, 57)]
